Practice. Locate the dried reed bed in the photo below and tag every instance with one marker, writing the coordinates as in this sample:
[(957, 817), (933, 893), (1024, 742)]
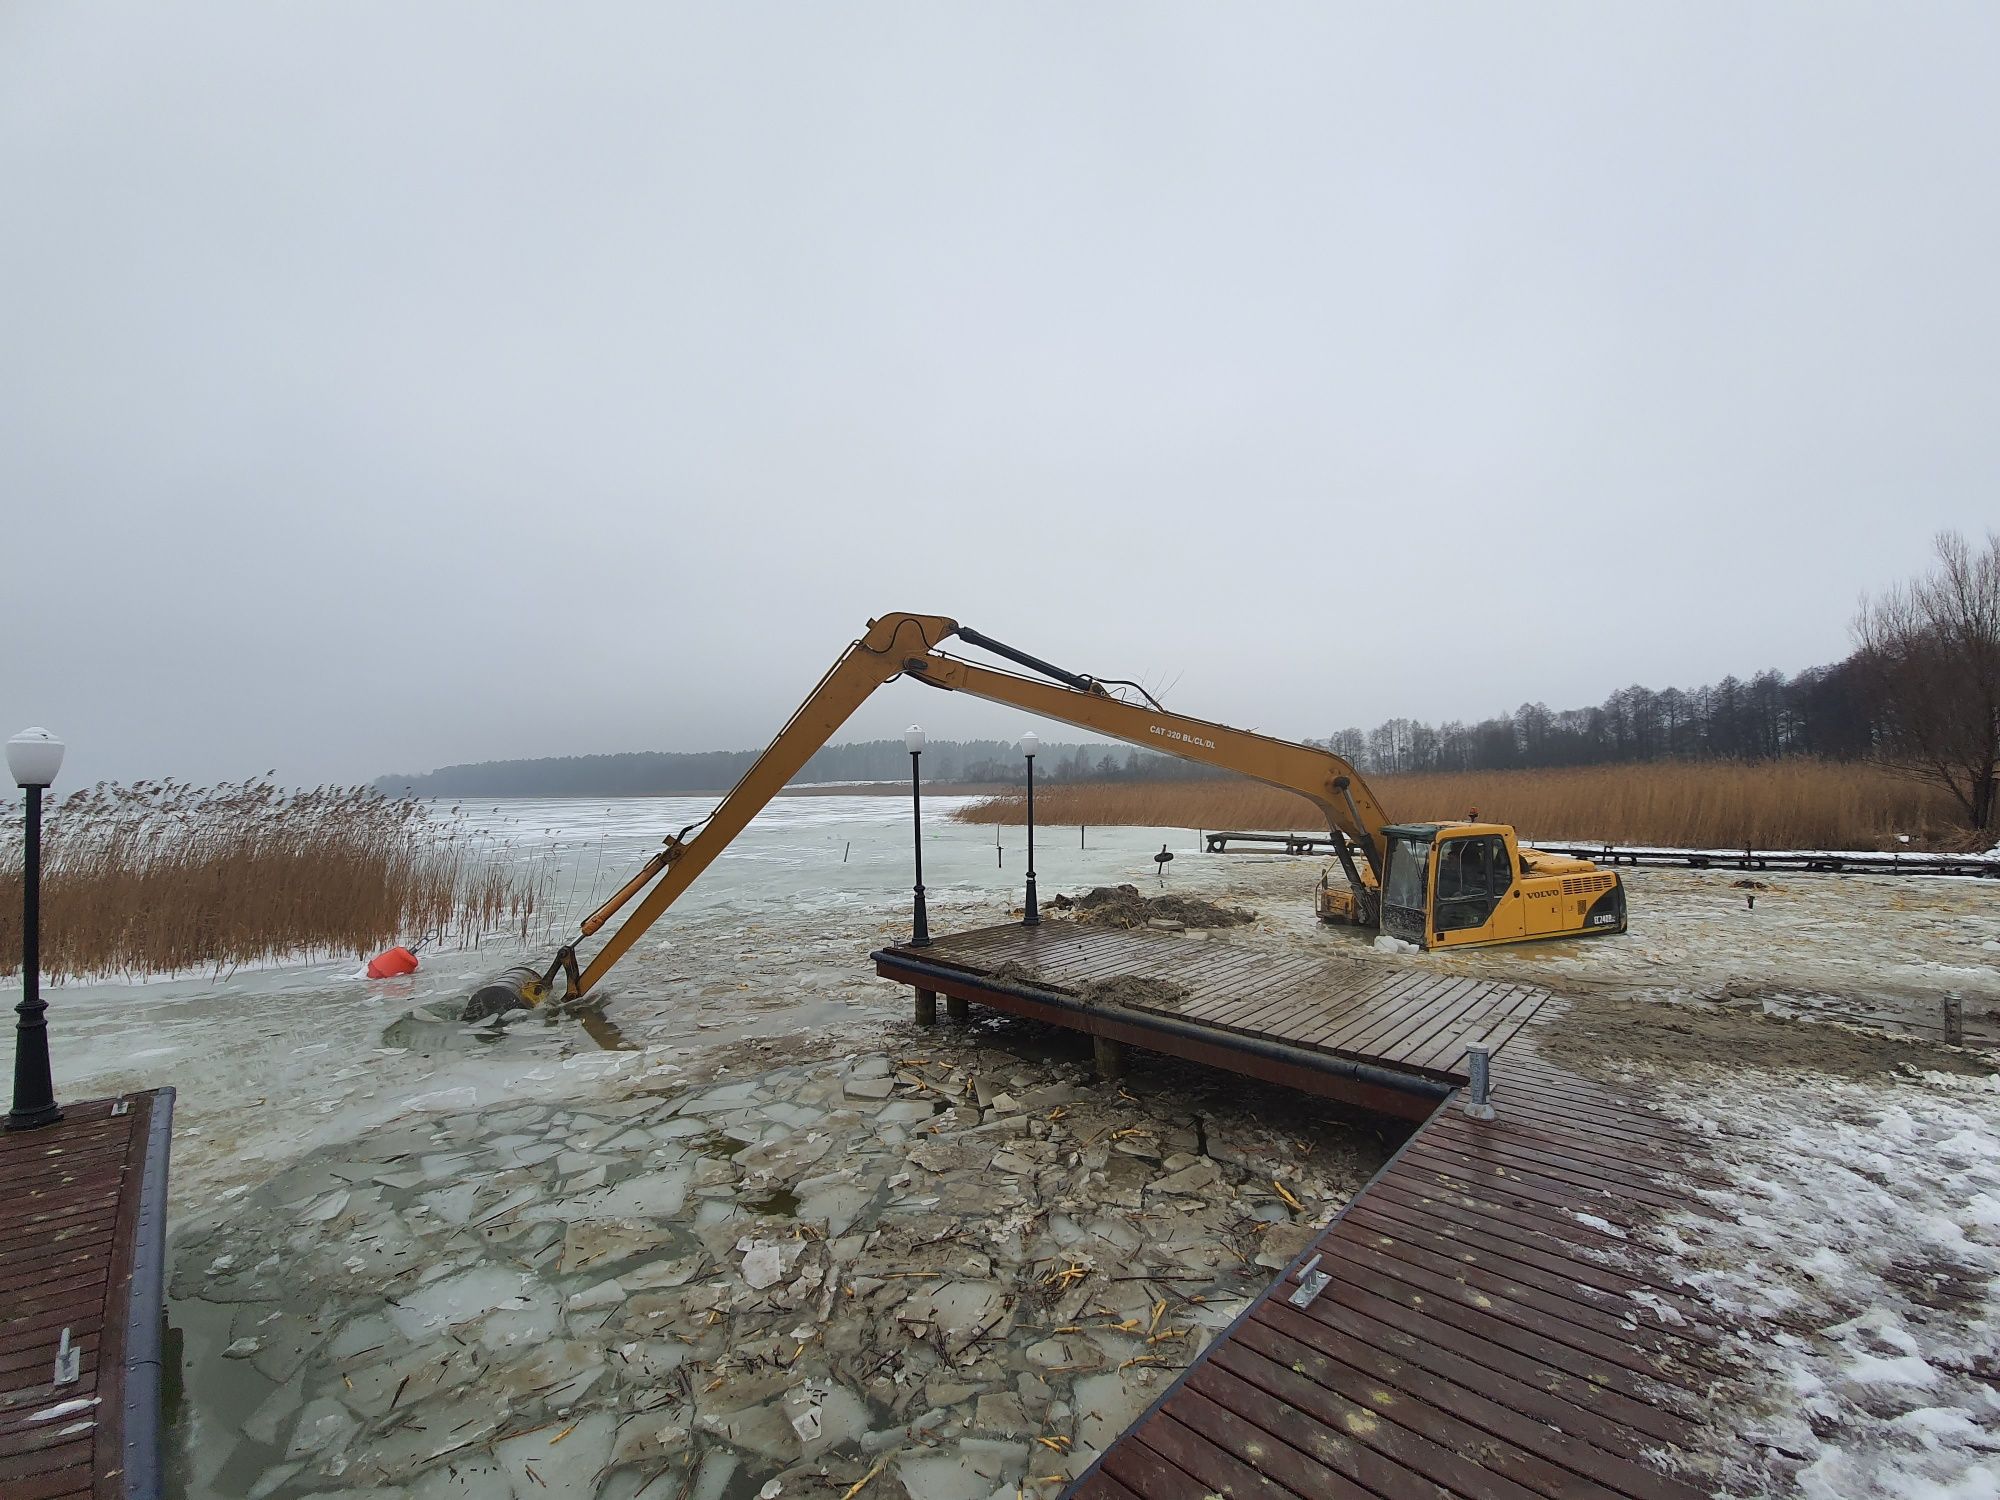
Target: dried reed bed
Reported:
[(162, 876), (1788, 804)]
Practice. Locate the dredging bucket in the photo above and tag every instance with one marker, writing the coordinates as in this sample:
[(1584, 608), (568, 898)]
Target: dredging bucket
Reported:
[(518, 988)]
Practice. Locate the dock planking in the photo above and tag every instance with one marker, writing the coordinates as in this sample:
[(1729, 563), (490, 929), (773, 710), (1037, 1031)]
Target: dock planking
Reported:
[(82, 1241), (1403, 1018), (1491, 1326)]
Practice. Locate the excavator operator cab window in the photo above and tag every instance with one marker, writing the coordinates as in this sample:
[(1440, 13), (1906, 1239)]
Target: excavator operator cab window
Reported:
[(1472, 876), (1404, 888)]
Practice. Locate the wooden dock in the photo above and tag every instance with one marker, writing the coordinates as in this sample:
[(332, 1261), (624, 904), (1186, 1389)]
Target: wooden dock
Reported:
[(1486, 1325), (82, 1254), (1388, 1037)]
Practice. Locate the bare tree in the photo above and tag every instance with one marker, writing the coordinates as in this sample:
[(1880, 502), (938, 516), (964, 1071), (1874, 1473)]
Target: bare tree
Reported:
[(1930, 649)]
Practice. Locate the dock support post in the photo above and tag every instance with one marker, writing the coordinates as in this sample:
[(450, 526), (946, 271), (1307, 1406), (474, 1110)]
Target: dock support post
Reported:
[(957, 1008), (1109, 1056), (927, 1007), (1478, 1098)]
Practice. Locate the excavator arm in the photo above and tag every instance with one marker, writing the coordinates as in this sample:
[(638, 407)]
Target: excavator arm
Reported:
[(908, 644)]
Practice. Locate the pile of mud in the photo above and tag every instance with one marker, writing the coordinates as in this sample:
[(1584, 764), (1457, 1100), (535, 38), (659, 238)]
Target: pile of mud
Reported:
[(1123, 906), (1119, 989), (1135, 990)]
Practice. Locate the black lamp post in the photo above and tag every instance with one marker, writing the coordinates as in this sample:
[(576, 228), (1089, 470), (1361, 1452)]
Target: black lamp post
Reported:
[(914, 738), (34, 756), (1030, 743)]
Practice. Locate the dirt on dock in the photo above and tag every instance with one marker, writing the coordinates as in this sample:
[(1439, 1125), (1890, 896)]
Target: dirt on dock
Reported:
[(1123, 906)]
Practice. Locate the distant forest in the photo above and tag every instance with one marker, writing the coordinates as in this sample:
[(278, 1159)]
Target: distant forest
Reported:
[(1822, 711), (648, 773), (1920, 695)]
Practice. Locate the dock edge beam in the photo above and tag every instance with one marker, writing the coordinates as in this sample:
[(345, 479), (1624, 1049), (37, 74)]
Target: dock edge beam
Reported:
[(1411, 1096)]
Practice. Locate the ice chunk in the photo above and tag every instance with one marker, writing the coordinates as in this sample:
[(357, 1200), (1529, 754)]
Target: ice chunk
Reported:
[(762, 1264), (450, 1428), (413, 1376), (526, 1320), (839, 1206), (453, 1204), (711, 1480), (970, 1471), (651, 1195), (329, 1207), (1110, 1403), (603, 1294), (457, 1299), (564, 1461), (269, 1419), (325, 1423)]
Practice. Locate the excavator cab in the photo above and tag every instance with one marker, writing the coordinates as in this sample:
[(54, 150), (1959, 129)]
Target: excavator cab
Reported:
[(1461, 885)]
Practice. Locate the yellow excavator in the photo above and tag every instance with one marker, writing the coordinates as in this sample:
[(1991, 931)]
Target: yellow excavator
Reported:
[(1434, 885)]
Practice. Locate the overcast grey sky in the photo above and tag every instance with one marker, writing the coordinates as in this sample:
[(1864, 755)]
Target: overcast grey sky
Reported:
[(390, 385)]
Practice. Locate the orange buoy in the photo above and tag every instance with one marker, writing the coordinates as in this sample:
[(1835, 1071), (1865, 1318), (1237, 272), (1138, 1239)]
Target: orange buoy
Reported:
[(392, 963)]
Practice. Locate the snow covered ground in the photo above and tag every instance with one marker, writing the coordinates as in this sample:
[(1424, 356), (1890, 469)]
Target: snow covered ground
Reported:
[(1857, 1254)]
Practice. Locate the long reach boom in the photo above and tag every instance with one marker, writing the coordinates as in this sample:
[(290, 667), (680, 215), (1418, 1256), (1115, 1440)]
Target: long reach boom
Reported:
[(905, 644)]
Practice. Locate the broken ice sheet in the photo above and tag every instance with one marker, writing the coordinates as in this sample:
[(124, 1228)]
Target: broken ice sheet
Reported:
[(762, 1263), (329, 1207), (460, 1298)]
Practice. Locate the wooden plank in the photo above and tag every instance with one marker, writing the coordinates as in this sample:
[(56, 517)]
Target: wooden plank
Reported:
[(1447, 999), (1588, 1346), (1143, 1472), (1554, 1277), (1420, 1433), (1607, 1327), (1543, 1433), (1518, 1151), (1278, 986), (1276, 1017), (1301, 984), (1507, 1013), (1559, 1132), (1217, 1464), (1566, 1180), (59, 1484), (69, 1196), (1239, 1418), (110, 1455), (17, 1467), (1491, 1237), (1382, 1335), (1411, 1001), (1447, 1011), (1355, 1437)]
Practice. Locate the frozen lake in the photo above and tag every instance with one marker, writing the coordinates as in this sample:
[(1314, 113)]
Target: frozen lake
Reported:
[(773, 938)]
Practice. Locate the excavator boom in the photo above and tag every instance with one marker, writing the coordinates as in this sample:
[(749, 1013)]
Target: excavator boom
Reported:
[(909, 644)]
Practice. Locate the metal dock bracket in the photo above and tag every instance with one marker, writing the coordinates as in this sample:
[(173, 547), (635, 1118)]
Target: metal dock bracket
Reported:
[(1312, 1281)]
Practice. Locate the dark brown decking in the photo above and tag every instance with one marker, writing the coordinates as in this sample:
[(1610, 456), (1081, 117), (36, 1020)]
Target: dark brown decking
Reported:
[(1267, 1015), (82, 1234), (1477, 1337)]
